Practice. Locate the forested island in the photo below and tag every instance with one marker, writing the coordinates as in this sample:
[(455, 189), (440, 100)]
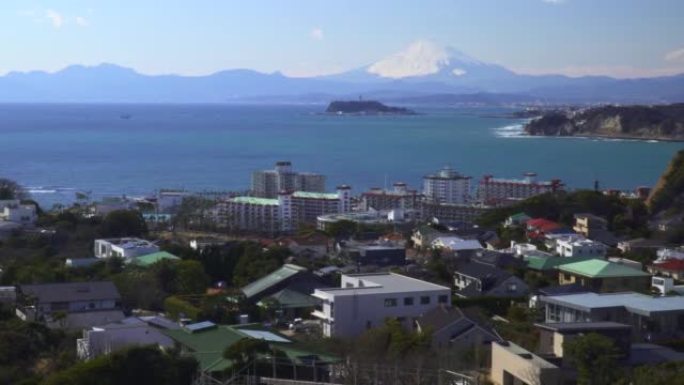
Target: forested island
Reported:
[(658, 122), (365, 107)]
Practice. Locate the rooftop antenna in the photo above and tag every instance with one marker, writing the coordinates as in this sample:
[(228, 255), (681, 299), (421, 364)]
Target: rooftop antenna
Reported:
[(385, 181)]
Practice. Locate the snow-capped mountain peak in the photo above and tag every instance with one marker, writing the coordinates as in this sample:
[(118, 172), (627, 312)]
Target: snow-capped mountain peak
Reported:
[(423, 58)]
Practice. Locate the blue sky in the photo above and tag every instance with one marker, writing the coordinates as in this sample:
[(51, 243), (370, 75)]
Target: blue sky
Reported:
[(624, 38)]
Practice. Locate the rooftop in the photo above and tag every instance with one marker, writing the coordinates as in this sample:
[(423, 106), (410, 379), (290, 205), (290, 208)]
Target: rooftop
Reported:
[(76, 291), (272, 279), (522, 352), (151, 259), (255, 201), (572, 327), (600, 268), (315, 195), (379, 283), (128, 243), (634, 302), (207, 344)]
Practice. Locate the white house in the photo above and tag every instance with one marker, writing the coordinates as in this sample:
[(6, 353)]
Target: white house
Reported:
[(456, 244), (580, 247), (131, 331), (364, 301), (15, 212), (123, 247)]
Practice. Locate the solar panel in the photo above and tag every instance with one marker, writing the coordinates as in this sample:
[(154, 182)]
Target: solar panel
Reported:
[(264, 335)]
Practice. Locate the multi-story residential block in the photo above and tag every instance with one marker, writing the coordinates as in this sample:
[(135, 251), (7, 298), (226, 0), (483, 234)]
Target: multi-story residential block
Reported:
[(13, 211), (364, 301), (452, 212), (447, 186), (400, 197), (269, 183), (496, 191), (171, 199), (126, 248), (578, 246), (69, 305), (283, 214)]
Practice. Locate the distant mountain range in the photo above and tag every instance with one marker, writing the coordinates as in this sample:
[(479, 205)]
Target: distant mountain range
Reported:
[(422, 73)]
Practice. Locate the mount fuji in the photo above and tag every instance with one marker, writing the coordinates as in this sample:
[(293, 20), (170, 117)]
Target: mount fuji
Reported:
[(423, 72)]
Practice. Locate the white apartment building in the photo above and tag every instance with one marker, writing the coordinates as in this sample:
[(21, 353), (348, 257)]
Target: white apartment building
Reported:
[(283, 214), (495, 191), (447, 186), (125, 248), (577, 246), (399, 197), (364, 301), (15, 212), (269, 183)]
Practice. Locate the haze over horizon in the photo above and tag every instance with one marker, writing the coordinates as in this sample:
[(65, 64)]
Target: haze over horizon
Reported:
[(618, 38)]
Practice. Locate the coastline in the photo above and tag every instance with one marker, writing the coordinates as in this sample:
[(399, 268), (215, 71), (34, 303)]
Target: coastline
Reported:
[(617, 137)]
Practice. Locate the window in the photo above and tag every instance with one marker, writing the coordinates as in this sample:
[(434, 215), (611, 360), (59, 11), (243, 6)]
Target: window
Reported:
[(408, 301), (425, 300), (390, 302), (443, 299), (512, 287)]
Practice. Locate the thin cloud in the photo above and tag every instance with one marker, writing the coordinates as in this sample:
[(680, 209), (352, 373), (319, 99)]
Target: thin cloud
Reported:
[(620, 72), (554, 1), (676, 55), (317, 34), (55, 18), (81, 21)]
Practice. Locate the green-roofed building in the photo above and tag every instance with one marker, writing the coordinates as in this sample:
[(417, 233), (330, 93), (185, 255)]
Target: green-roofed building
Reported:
[(518, 219), (287, 289), (206, 342), (151, 259), (600, 275), (539, 261), (284, 212)]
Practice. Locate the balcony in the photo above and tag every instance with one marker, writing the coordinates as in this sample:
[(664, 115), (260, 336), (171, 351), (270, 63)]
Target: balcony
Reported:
[(320, 315)]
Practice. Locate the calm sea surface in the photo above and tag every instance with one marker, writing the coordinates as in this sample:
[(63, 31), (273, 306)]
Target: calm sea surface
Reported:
[(55, 150)]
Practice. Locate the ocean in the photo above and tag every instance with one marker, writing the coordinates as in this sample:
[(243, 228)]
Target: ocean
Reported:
[(110, 150)]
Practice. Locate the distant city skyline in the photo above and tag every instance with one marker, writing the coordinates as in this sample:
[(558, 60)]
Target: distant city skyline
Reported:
[(620, 38)]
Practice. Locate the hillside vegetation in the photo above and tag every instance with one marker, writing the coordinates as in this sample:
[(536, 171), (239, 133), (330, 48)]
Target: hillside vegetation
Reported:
[(661, 122)]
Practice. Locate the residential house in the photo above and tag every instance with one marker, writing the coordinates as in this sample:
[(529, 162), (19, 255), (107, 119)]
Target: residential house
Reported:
[(125, 248), (579, 247), (70, 305), (549, 365), (424, 235), (451, 327), (287, 289), (16, 212), (673, 268), (206, 342), (376, 253), (456, 244), (474, 279), (651, 318), (515, 220), (131, 331), (604, 276), (589, 224), (640, 244), (364, 301), (150, 259)]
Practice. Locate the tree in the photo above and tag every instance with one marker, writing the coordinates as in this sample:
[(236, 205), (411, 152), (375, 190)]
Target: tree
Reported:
[(595, 358), (191, 278), (123, 223), (10, 189), (134, 366)]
